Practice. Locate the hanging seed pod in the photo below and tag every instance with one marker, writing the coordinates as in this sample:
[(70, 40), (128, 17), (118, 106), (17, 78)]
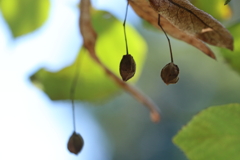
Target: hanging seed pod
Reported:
[(170, 73), (75, 143), (127, 67)]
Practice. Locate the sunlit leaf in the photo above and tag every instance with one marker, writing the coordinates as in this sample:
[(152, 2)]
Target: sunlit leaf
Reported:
[(215, 8), (24, 16), (233, 57), (212, 134), (93, 83)]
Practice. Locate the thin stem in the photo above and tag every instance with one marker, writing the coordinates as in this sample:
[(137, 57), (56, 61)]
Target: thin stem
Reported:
[(169, 43), (72, 93), (124, 28), (73, 115)]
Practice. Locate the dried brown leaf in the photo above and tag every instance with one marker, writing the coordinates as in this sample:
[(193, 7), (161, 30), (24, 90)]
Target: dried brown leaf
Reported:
[(180, 19), (89, 41), (193, 21)]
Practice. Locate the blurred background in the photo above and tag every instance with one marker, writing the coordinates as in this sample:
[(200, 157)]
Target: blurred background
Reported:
[(35, 127)]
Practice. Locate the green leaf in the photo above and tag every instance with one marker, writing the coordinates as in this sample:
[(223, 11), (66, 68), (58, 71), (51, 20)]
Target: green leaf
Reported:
[(93, 83), (213, 134), (215, 8), (24, 16), (233, 57)]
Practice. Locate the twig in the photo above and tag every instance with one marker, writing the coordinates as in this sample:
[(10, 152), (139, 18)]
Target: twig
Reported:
[(89, 40)]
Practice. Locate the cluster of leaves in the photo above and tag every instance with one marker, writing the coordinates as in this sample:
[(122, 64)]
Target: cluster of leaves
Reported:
[(212, 131)]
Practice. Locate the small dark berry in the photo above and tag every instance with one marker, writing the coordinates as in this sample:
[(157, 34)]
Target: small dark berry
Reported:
[(170, 73), (75, 143), (127, 67)]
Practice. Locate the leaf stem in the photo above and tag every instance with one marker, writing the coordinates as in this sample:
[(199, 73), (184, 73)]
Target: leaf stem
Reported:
[(169, 43), (124, 27)]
